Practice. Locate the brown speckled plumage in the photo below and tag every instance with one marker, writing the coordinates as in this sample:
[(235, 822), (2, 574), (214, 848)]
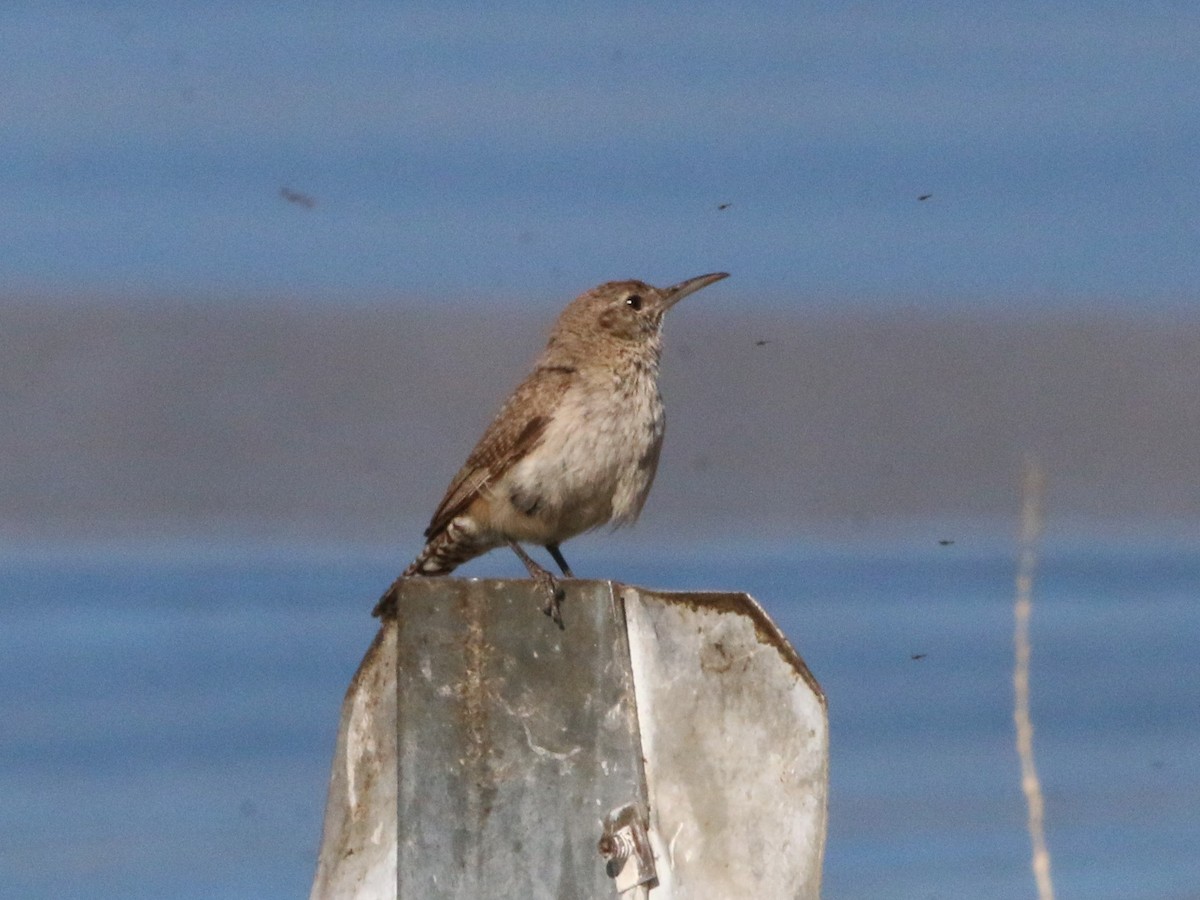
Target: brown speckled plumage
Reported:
[(575, 446)]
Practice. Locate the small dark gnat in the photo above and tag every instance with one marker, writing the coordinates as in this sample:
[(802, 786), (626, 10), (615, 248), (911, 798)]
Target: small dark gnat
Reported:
[(296, 197)]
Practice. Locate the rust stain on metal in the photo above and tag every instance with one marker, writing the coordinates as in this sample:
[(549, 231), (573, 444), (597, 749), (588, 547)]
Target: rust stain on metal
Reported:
[(765, 630), (715, 657), (473, 694), (369, 703), (367, 664), (471, 690)]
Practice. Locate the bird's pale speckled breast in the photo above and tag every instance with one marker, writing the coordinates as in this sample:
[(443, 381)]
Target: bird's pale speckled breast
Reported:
[(595, 462)]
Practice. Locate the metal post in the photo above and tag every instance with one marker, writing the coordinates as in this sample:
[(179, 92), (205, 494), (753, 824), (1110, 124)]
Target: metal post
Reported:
[(662, 746)]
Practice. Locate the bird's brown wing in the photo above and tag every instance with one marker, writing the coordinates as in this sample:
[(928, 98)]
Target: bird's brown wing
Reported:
[(513, 433)]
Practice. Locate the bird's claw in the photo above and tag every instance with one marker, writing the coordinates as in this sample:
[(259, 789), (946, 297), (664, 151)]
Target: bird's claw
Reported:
[(544, 580), (553, 607), (554, 597)]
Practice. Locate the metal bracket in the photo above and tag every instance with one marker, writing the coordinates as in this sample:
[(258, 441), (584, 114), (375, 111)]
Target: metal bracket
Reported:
[(625, 848)]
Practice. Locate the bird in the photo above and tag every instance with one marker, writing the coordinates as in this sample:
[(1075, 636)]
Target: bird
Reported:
[(575, 446)]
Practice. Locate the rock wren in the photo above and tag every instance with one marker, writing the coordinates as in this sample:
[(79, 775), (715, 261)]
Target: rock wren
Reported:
[(576, 444)]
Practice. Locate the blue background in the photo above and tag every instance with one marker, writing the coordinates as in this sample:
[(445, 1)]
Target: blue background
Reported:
[(502, 151)]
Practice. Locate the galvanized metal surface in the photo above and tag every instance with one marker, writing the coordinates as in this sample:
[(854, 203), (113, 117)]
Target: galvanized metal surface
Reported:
[(517, 741)]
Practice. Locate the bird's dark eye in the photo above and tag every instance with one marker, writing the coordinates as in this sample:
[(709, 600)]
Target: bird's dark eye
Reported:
[(634, 301)]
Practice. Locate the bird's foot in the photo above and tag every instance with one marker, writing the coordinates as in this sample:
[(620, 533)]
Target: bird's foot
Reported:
[(546, 582), (555, 596)]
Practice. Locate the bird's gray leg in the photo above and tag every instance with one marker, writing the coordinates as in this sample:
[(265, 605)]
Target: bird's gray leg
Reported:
[(558, 558), (546, 582)]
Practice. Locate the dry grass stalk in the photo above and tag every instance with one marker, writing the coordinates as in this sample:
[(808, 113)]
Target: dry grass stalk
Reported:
[(1032, 483)]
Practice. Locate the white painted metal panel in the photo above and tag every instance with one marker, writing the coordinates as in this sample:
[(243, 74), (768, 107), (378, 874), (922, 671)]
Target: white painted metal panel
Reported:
[(358, 849), (735, 737)]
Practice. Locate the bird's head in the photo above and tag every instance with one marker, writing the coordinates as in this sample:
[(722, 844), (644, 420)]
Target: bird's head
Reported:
[(624, 311)]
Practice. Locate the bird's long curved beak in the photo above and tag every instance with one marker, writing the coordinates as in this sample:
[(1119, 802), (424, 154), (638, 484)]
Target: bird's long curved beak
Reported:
[(677, 292)]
